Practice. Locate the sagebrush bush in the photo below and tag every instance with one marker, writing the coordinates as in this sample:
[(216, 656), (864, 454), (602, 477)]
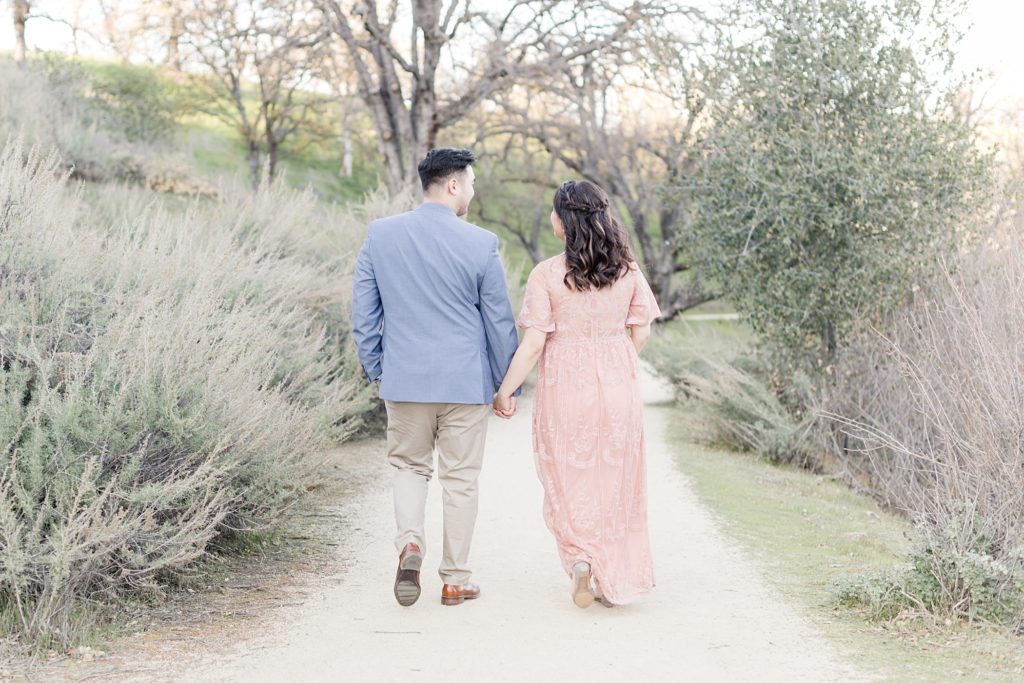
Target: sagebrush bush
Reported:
[(46, 103), (739, 410), (927, 414), (944, 578), (170, 372)]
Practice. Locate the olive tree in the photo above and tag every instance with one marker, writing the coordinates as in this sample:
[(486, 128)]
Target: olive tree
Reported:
[(837, 174)]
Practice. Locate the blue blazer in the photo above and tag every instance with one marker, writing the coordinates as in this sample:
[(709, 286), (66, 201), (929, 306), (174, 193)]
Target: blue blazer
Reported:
[(431, 316)]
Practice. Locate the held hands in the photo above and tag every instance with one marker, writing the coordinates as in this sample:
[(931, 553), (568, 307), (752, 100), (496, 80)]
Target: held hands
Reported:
[(504, 406)]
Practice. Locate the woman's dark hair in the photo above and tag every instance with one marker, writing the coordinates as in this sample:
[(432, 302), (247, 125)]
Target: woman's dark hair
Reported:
[(596, 250), (441, 162)]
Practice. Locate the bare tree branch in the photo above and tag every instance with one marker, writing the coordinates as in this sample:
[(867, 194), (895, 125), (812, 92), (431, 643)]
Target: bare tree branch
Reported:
[(275, 50), (526, 41), (640, 154)]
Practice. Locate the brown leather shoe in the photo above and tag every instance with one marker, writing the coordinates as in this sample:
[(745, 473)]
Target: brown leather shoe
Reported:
[(456, 595), (407, 578)]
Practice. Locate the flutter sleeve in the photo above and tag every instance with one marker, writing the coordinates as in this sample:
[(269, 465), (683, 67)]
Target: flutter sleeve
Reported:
[(536, 311), (643, 308)]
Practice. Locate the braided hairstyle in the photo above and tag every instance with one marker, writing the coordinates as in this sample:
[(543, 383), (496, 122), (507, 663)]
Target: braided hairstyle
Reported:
[(597, 252)]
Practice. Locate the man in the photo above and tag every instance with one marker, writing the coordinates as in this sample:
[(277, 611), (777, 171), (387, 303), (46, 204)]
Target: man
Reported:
[(433, 325)]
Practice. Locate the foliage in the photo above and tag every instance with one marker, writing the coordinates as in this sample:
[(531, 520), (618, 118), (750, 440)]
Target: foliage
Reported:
[(944, 579), (926, 416), (834, 180), (168, 378), (140, 103), (108, 122), (722, 387), (739, 410)]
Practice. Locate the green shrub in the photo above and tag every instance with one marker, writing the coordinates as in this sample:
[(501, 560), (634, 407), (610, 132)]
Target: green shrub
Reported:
[(944, 577), (137, 101)]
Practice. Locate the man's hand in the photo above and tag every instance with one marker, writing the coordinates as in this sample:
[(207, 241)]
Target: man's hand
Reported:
[(504, 406)]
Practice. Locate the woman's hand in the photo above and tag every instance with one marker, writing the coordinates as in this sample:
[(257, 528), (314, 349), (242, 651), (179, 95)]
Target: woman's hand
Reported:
[(504, 405)]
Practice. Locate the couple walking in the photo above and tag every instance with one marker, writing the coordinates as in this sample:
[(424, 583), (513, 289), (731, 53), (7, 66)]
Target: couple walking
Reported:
[(433, 325)]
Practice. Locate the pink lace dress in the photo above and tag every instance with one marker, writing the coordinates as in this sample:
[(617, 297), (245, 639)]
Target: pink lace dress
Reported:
[(588, 427)]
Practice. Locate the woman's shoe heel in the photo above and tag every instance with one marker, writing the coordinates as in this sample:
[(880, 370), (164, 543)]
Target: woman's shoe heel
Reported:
[(581, 593)]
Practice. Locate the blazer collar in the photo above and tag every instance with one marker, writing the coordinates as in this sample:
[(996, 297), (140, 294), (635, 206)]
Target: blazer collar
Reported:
[(434, 207)]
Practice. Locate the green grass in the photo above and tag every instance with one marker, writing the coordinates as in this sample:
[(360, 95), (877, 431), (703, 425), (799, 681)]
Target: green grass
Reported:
[(807, 530), (216, 150)]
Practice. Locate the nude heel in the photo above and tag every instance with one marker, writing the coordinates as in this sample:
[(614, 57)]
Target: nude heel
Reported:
[(581, 593)]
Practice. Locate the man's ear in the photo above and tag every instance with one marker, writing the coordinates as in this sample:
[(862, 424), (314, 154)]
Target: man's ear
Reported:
[(453, 185)]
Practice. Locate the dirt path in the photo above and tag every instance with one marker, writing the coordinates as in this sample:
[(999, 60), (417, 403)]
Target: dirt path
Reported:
[(711, 618)]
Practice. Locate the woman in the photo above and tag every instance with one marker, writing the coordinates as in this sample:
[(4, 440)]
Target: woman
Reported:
[(588, 436)]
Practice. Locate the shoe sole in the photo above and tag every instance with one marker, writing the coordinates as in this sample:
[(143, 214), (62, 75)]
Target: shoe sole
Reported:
[(581, 594), (457, 601), (407, 585)]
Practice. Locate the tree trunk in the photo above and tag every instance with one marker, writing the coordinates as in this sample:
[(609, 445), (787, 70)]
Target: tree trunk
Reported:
[(21, 9), (683, 299), (76, 26), (538, 223), (643, 237), (828, 342), (252, 157), (346, 146), (531, 240), (405, 123), (177, 30), (273, 156)]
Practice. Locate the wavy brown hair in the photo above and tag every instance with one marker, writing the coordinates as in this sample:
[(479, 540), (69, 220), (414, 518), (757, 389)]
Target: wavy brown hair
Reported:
[(597, 252)]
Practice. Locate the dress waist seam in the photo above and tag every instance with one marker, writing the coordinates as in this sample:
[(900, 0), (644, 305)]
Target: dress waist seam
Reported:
[(588, 340)]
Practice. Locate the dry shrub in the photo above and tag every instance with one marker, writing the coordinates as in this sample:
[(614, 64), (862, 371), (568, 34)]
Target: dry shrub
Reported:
[(170, 372), (727, 398), (739, 410), (48, 107), (928, 415)]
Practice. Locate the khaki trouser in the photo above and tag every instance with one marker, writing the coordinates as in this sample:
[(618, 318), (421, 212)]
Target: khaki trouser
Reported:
[(458, 431)]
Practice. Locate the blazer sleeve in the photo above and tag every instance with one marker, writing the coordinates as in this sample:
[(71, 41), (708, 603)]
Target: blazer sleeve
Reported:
[(496, 311), (367, 313)]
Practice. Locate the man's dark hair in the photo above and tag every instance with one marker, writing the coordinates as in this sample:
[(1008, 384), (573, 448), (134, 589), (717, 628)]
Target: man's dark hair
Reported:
[(441, 163)]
